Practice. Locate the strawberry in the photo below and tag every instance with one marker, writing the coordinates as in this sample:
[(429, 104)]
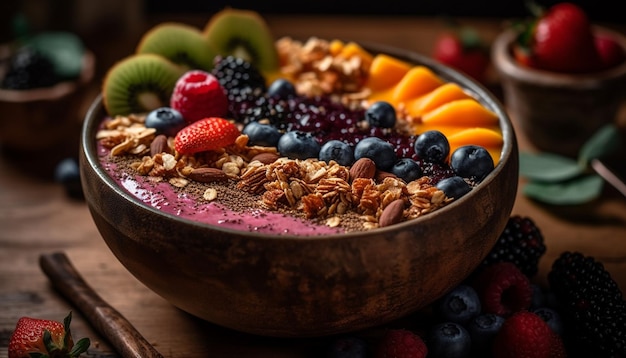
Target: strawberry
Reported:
[(206, 134), (401, 343), (463, 49), (559, 40), (198, 94), (35, 337), (527, 335), (610, 52)]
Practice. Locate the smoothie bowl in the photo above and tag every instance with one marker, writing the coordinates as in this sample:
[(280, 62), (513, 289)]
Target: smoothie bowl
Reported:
[(277, 239)]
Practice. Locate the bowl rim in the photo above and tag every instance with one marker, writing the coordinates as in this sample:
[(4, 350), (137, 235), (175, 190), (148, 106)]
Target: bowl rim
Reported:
[(505, 64), (477, 90)]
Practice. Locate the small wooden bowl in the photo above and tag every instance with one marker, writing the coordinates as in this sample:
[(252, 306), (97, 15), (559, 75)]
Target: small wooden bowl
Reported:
[(293, 286), (38, 119), (558, 112)]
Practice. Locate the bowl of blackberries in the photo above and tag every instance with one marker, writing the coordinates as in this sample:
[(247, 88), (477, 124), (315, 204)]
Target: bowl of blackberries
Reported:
[(42, 82)]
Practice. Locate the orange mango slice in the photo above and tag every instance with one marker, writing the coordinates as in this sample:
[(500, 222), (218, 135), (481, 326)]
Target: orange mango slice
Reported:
[(417, 82), (385, 71), (461, 112), (352, 49), (478, 136), (439, 96), (335, 47)]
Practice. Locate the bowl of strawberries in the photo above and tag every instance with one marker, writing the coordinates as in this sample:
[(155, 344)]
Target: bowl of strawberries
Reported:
[(563, 77)]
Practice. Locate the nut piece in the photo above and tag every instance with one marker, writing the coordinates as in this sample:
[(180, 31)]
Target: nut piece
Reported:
[(208, 175), (363, 168), (265, 158), (392, 214), (159, 145)]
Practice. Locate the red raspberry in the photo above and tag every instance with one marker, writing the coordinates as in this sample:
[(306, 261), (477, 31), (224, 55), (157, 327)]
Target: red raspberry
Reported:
[(400, 343), (198, 94), (526, 335), (503, 289)]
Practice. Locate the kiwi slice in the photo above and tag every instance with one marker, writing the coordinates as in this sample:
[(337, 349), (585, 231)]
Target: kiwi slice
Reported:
[(182, 44), (139, 83), (245, 34)]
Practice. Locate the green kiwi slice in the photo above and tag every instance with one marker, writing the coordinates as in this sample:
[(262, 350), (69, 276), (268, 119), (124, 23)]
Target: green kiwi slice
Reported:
[(245, 34), (139, 83), (182, 44)]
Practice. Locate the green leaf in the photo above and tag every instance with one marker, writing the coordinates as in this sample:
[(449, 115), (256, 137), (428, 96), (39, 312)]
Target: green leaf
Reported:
[(576, 191), (64, 49), (548, 167), (605, 141)]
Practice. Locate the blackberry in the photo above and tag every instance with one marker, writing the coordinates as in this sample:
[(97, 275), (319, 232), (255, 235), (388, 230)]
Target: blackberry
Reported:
[(234, 72), (521, 243), (591, 305), (29, 69)]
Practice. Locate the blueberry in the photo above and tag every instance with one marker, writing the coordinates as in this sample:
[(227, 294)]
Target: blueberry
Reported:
[(378, 150), (471, 161), (298, 145), (432, 146), (552, 318), (538, 298), (339, 151), (67, 173), (482, 329), (381, 114), (347, 347), (281, 88), (459, 305), (454, 187), (265, 135), (166, 121), (448, 340), (406, 169)]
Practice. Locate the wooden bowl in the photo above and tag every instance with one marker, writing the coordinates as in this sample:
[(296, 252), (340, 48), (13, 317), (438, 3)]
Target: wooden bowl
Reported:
[(558, 112), (293, 286)]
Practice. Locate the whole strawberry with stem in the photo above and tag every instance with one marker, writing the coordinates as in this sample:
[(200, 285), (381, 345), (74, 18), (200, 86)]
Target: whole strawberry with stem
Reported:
[(559, 39), (463, 48), (34, 337)]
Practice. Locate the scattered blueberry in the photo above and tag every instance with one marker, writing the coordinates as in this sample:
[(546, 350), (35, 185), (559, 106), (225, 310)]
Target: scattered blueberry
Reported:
[(471, 161), (406, 169), (454, 187), (298, 145), (337, 150), (448, 340), (378, 150), (432, 146), (165, 120), (281, 88), (459, 305), (347, 347), (67, 173), (482, 329), (262, 134), (381, 114)]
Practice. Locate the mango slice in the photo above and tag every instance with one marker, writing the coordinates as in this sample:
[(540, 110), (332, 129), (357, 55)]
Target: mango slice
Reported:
[(352, 49), (385, 72), (335, 47), (477, 136), (439, 96), (461, 112), (417, 82)]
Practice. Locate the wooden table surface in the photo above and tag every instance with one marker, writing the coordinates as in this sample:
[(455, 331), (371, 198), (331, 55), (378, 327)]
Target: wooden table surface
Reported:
[(37, 217)]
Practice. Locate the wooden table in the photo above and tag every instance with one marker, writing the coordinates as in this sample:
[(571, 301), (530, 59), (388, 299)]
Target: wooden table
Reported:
[(37, 217)]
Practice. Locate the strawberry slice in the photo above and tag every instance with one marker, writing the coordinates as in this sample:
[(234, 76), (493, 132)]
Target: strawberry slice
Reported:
[(198, 94), (206, 134)]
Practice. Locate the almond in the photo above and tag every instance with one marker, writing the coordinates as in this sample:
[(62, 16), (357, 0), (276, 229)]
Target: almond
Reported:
[(265, 158), (159, 145), (381, 175), (392, 214), (208, 175), (363, 168)]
